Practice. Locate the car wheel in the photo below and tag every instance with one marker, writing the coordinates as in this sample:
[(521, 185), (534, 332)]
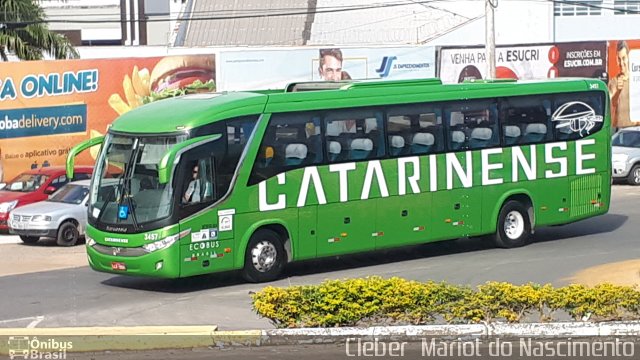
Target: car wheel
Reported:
[(634, 175), (68, 234), (265, 257), (29, 239), (514, 226)]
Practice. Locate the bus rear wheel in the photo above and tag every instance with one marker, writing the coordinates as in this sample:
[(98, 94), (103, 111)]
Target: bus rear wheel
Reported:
[(265, 257), (514, 225)]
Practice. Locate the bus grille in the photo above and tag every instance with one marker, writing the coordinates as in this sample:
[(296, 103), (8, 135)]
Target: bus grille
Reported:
[(119, 251), (586, 192)]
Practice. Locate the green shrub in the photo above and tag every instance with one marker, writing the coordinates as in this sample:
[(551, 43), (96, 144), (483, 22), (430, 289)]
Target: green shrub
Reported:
[(375, 300)]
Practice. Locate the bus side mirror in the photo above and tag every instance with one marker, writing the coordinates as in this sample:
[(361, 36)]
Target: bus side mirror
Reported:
[(49, 190)]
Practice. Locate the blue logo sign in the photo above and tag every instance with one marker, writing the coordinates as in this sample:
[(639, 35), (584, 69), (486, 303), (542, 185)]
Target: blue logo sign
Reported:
[(385, 67), (123, 212), (52, 120)]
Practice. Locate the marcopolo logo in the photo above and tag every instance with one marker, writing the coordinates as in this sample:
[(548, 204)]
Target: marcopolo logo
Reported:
[(388, 64), (25, 347)]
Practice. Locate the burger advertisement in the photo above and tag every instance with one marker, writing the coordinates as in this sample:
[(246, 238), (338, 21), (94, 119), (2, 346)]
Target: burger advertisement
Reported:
[(46, 107)]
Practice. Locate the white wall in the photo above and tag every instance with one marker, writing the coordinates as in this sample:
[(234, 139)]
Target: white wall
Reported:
[(605, 27), (516, 22)]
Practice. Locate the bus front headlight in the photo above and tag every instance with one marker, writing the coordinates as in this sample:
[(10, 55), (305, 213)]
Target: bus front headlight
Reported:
[(90, 241), (161, 244)]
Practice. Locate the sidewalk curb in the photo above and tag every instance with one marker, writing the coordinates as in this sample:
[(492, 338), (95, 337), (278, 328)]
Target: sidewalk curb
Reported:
[(95, 339)]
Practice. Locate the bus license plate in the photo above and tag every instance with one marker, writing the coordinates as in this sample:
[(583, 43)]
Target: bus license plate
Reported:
[(120, 266)]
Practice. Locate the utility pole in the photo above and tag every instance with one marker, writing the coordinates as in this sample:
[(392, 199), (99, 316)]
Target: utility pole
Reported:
[(490, 42)]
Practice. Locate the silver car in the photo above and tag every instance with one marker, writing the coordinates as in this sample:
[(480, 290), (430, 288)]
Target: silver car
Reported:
[(63, 216), (626, 155)]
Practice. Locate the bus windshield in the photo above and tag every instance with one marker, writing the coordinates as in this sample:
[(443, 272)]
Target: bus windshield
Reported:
[(126, 189)]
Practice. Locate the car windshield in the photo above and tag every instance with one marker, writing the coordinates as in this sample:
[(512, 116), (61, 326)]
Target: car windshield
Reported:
[(627, 139), (27, 182), (70, 194)]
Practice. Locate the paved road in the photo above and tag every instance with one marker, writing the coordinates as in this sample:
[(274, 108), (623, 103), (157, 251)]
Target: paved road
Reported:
[(81, 297)]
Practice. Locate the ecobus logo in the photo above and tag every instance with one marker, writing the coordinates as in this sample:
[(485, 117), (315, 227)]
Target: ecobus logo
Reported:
[(31, 348)]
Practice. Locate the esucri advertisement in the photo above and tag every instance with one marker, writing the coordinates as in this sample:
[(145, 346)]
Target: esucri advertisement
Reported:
[(624, 82), (526, 62), (46, 107)]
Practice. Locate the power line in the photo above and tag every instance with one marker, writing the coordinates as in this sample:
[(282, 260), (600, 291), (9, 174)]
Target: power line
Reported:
[(279, 12), (282, 12)]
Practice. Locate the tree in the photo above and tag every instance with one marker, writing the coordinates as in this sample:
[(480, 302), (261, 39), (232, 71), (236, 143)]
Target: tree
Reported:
[(25, 33)]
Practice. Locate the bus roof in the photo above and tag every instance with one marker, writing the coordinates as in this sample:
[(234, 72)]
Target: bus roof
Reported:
[(190, 111)]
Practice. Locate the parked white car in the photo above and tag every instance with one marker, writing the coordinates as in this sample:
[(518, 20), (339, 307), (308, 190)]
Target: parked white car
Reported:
[(63, 216), (626, 155)]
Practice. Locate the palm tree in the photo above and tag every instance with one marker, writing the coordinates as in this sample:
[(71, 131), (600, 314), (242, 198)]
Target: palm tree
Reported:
[(25, 33)]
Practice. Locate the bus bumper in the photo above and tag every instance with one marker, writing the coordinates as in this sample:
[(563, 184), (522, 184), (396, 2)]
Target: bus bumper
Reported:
[(163, 263)]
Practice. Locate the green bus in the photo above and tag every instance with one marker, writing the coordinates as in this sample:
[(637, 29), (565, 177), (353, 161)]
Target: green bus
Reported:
[(253, 180)]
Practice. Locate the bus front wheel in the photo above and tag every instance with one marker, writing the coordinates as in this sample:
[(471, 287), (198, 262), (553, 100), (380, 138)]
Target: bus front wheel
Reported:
[(265, 257), (514, 225)]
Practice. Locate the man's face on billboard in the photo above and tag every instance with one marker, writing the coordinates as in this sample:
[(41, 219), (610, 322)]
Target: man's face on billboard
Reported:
[(623, 60), (331, 68)]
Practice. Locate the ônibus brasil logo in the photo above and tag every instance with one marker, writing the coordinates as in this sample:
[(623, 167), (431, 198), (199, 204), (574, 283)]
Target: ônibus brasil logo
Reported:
[(25, 347)]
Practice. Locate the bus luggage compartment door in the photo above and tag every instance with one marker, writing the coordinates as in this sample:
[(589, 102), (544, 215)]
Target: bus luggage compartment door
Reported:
[(346, 227)]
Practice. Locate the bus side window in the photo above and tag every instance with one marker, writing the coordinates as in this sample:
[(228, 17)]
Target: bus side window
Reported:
[(415, 130), (525, 120), (291, 140), (577, 115), (473, 124), (357, 134)]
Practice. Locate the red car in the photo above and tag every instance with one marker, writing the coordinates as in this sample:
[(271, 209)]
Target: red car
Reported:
[(33, 186)]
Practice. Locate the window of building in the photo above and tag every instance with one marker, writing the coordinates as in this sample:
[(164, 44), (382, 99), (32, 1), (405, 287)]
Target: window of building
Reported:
[(626, 7), (577, 7)]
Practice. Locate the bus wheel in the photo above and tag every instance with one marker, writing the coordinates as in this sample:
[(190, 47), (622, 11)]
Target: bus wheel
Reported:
[(68, 234), (514, 226), (634, 175), (29, 239), (265, 257)]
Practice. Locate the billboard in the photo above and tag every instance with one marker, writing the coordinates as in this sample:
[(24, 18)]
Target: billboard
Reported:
[(577, 59), (274, 69), (46, 107), (624, 82)]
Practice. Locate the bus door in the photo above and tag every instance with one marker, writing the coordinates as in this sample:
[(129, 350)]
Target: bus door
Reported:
[(194, 164)]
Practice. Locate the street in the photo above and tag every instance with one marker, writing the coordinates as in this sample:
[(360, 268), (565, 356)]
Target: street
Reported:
[(70, 294)]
